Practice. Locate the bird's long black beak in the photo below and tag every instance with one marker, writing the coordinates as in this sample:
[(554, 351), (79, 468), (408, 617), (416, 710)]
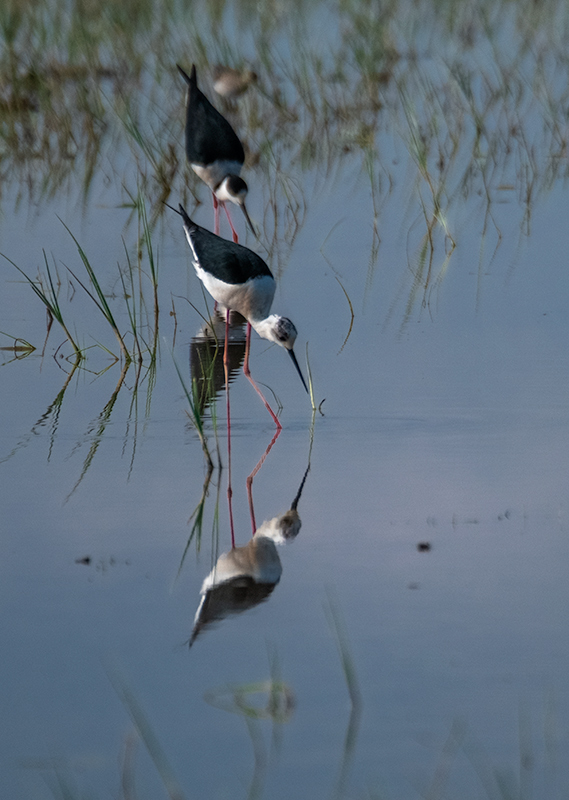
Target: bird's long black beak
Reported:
[(249, 223), (295, 362)]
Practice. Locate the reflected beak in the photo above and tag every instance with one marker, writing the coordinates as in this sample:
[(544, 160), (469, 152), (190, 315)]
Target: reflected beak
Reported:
[(249, 223), (295, 362)]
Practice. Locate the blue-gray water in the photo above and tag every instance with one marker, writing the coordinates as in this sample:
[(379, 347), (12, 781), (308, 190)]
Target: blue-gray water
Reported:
[(446, 424)]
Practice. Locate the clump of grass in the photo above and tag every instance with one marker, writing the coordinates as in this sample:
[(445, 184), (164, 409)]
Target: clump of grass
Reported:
[(100, 300), (47, 293), (47, 289)]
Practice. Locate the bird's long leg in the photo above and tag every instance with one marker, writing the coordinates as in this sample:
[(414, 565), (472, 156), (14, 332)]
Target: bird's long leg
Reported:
[(233, 231), (215, 214), (247, 372), (226, 371), (252, 475)]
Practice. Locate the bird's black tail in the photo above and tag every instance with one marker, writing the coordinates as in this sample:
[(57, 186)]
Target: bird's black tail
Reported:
[(190, 79), (183, 214)]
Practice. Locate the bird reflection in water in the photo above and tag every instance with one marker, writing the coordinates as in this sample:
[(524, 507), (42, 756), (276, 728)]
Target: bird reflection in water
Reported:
[(246, 576), (206, 357)]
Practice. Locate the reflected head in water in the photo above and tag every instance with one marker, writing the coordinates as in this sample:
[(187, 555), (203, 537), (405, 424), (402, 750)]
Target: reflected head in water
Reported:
[(246, 576)]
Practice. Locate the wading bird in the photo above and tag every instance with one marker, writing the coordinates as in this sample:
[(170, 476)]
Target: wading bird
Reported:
[(239, 280), (214, 151)]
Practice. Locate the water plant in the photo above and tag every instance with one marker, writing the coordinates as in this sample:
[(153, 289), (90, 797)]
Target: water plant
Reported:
[(45, 288)]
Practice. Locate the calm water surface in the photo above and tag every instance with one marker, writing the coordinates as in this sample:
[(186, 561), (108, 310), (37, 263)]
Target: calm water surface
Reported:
[(434, 516)]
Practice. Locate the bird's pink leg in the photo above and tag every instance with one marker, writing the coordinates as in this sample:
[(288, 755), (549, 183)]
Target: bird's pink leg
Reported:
[(252, 475), (215, 214), (229, 487), (215, 227), (247, 372), (233, 231)]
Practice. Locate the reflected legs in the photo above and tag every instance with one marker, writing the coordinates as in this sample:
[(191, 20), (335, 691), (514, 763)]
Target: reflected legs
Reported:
[(252, 475)]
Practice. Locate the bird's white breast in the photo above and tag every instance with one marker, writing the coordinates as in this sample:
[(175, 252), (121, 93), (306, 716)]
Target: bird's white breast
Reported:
[(258, 560), (252, 299), (213, 174)]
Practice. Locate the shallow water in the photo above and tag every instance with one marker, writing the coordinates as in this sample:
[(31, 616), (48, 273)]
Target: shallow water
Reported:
[(434, 514)]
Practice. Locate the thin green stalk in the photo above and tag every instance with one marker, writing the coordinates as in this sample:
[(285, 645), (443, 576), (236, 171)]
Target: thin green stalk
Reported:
[(100, 301), (153, 264), (310, 384), (195, 415), (49, 298), (131, 308)]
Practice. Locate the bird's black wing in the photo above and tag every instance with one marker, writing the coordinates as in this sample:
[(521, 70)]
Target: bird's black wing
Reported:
[(209, 136), (227, 261)]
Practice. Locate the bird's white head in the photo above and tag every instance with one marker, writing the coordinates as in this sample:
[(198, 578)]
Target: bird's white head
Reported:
[(280, 330), (232, 188), (281, 529)]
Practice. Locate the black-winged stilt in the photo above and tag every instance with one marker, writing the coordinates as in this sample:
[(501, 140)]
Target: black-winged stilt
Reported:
[(214, 151), (239, 280)]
